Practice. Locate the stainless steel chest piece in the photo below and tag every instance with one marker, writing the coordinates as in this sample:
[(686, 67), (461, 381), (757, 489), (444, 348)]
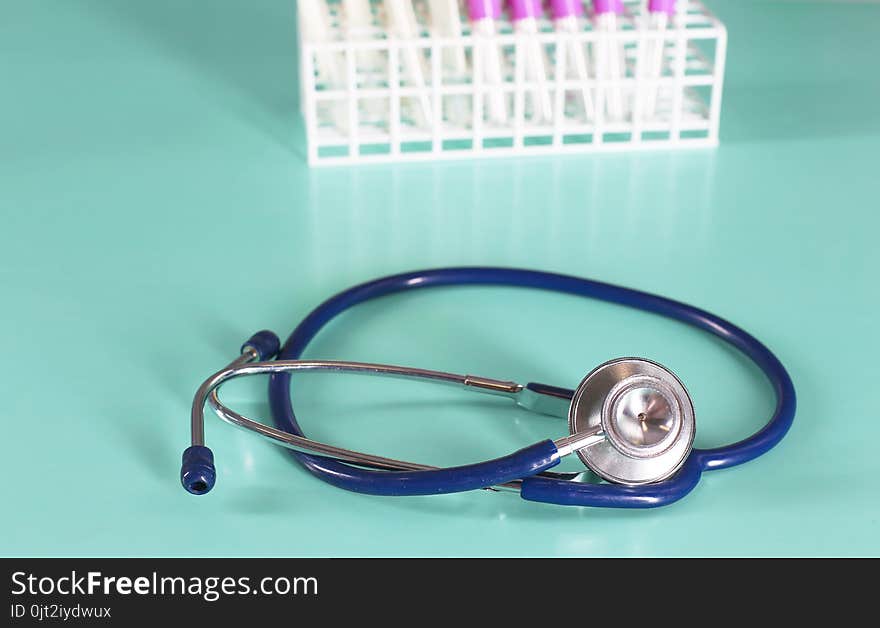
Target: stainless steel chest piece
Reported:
[(645, 414)]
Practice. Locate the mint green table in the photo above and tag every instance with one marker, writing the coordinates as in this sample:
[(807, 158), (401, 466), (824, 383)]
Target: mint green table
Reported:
[(156, 209)]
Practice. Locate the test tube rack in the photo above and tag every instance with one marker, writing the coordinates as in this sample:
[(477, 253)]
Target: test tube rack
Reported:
[(367, 110)]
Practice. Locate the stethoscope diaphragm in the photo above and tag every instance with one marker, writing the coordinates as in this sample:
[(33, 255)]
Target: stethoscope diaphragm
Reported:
[(645, 414)]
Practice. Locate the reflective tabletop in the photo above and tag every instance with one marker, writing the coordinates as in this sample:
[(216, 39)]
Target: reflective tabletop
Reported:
[(157, 210)]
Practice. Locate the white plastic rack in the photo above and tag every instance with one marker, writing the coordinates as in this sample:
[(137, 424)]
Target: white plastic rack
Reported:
[(365, 98)]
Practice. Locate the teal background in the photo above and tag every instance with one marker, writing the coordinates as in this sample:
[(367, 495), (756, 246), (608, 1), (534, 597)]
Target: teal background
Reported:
[(156, 209)]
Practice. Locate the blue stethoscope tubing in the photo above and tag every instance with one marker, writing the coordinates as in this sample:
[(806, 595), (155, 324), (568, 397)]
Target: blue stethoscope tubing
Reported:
[(535, 487)]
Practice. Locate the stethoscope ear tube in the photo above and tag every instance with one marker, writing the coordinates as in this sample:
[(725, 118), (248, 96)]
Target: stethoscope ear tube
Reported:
[(396, 477)]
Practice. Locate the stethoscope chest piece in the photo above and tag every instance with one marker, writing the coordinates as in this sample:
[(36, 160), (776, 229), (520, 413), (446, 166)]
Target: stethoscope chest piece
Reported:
[(645, 415)]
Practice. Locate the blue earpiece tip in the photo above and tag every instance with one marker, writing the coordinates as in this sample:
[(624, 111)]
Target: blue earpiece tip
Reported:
[(197, 472), (265, 343)]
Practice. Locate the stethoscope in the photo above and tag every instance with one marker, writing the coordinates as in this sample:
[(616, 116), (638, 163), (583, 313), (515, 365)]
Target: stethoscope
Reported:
[(631, 421)]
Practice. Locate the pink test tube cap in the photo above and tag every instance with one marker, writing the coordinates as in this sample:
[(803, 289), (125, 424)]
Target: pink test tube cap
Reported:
[(566, 8), (523, 9), (608, 6), (483, 9), (662, 6)]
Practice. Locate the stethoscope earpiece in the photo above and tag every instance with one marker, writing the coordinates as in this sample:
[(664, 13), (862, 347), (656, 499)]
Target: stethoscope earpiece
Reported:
[(645, 415)]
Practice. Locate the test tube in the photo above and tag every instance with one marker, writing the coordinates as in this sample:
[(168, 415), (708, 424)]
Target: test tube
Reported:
[(402, 21), (358, 23), (315, 25), (316, 29), (483, 14), (609, 60), (659, 12), (358, 15), (525, 14), (566, 19), (446, 23)]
